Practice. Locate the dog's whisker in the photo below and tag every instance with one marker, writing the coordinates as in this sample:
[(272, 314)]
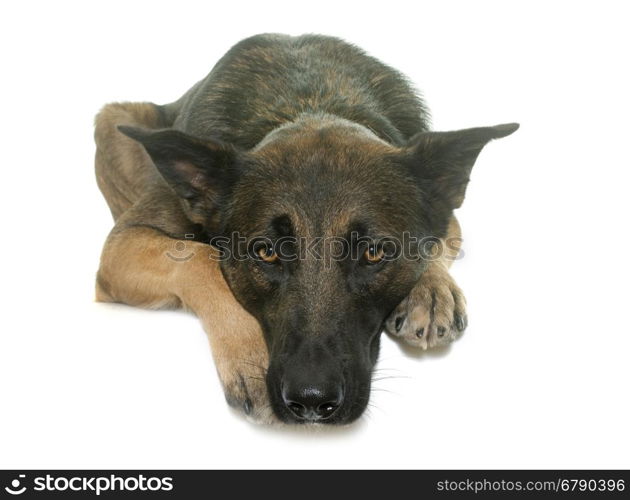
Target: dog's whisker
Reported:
[(391, 377), (261, 410), (251, 363), (387, 369), (380, 389)]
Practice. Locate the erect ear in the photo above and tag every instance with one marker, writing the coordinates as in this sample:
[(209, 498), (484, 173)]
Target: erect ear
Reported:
[(200, 172), (442, 161)]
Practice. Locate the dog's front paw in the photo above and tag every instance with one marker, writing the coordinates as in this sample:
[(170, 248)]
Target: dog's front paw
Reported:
[(433, 314), (246, 391)]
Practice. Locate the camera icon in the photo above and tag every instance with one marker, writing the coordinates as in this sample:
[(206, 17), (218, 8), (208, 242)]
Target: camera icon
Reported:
[(15, 489), (181, 252)]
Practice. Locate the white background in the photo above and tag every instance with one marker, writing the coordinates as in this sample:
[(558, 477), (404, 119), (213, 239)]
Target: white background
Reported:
[(539, 380)]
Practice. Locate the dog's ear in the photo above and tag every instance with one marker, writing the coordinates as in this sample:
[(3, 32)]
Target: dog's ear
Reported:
[(442, 161), (200, 172)]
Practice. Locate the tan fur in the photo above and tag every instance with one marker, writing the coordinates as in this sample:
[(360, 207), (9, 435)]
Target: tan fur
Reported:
[(137, 267), (123, 169)]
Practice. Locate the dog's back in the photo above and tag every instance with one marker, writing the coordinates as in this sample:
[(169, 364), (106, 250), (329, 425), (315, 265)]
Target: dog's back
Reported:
[(267, 80)]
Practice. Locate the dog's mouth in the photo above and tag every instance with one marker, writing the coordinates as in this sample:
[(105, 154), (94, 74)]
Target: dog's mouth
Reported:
[(321, 380)]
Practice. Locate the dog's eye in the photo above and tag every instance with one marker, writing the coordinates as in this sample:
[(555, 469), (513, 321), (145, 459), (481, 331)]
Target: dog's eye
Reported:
[(267, 254), (374, 254)]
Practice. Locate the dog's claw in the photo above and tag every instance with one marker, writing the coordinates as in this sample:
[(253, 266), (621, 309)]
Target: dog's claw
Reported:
[(246, 392), (399, 323), (460, 322), (247, 407)]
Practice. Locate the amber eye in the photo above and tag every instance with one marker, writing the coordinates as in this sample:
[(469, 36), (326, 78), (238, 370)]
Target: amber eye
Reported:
[(374, 254), (267, 254)]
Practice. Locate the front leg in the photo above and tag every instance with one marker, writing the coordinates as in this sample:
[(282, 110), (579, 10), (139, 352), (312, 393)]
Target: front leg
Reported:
[(142, 267), (238, 347), (434, 312)]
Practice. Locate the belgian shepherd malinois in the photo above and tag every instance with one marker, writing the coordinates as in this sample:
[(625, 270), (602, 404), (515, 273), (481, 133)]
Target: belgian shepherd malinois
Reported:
[(274, 200)]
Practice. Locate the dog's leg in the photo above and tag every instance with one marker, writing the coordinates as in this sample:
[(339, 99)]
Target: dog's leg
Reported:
[(434, 313), (143, 267), (124, 171)]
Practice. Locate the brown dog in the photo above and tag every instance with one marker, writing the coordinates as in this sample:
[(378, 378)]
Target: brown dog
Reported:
[(289, 143)]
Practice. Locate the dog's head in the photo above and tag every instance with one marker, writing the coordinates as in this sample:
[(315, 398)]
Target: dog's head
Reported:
[(322, 228)]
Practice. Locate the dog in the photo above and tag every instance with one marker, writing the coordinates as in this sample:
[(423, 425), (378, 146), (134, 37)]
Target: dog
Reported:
[(273, 200)]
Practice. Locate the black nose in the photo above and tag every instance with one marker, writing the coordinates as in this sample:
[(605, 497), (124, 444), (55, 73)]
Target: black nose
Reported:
[(312, 402)]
